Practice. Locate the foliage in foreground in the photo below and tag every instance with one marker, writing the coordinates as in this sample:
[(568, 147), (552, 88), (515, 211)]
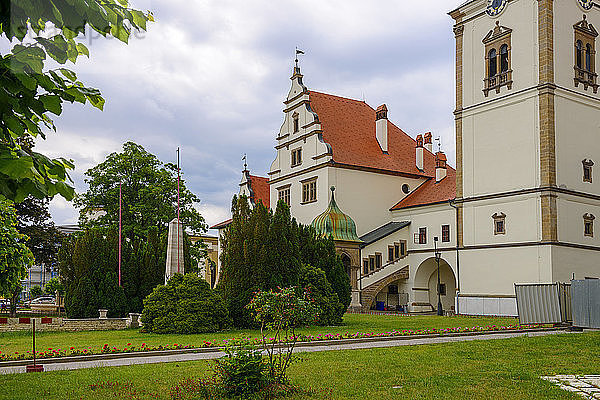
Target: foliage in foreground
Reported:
[(39, 30), (279, 314), (186, 304)]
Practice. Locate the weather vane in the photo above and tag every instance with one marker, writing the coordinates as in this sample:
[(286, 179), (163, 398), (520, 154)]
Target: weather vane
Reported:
[(244, 160), (298, 52), (439, 143)]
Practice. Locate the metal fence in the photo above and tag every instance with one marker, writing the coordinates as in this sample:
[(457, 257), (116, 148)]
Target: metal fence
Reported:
[(541, 303), (586, 303)]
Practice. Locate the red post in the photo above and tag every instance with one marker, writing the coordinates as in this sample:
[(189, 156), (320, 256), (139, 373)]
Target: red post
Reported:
[(120, 222), (178, 223)]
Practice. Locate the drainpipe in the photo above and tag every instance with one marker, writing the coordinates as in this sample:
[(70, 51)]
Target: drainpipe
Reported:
[(452, 204)]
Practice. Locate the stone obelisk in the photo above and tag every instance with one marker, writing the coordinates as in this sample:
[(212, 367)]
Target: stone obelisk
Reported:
[(174, 250)]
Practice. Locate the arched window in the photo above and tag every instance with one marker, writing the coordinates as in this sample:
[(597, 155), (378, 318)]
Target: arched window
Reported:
[(588, 57), (493, 69), (578, 54), (503, 58)]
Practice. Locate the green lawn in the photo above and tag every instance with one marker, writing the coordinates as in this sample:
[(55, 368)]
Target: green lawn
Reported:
[(494, 369), (364, 323)]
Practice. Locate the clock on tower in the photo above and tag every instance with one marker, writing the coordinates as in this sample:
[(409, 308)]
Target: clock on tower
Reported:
[(495, 7)]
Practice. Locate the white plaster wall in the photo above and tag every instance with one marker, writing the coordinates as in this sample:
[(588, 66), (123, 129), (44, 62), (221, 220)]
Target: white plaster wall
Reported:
[(430, 217), (570, 220), (494, 271), (367, 197), (487, 306), (501, 146), (567, 14), (521, 17), (577, 126), (305, 213), (568, 261), (522, 220)]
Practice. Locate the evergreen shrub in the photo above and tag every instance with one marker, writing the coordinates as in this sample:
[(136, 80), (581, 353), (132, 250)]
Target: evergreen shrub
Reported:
[(186, 304)]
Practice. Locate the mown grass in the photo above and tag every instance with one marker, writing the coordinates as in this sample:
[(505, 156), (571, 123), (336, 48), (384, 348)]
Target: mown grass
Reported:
[(364, 323), (493, 369)]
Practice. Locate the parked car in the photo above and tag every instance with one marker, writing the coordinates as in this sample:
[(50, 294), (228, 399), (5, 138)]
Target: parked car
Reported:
[(42, 300)]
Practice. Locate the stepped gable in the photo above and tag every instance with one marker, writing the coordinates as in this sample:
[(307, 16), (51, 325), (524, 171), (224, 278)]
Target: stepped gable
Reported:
[(349, 127), (431, 192)]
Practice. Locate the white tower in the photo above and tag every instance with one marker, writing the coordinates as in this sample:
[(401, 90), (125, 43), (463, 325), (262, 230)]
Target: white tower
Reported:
[(527, 115)]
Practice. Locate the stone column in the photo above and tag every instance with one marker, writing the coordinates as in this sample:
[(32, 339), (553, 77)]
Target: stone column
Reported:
[(174, 262)]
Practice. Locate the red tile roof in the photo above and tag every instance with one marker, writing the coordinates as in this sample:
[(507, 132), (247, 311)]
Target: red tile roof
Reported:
[(431, 192), (262, 193), (261, 189), (222, 225), (349, 127)]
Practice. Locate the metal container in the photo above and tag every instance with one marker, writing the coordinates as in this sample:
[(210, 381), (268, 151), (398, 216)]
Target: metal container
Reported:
[(543, 303), (586, 303)]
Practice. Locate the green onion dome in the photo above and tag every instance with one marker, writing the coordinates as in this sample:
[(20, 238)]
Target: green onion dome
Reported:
[(335, 223)]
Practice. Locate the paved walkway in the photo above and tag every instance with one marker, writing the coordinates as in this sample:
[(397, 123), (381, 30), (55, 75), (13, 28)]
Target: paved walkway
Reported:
[(587, 386), (302, 347)]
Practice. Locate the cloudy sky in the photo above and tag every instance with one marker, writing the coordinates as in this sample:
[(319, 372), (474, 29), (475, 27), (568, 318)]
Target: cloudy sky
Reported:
[(210, 76)]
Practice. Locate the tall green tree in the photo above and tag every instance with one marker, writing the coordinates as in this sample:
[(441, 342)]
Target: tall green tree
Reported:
[(15, 256), (30, 93), (149, 193), (263, 250), (35, 221)]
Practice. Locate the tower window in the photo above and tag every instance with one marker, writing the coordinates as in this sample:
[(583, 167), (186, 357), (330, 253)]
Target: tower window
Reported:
[(499, 223), (585, 55), (587, 170), (504, 58), (497, 59), (493, 63), (588, 225)]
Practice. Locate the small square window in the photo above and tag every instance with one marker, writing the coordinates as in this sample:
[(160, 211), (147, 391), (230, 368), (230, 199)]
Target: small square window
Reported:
[(588, 225), (442, 289), (403, 248), (365, 266), (391, 253), (396, 251), (372, 263), (499, 224), (587, 170), (377, 261)]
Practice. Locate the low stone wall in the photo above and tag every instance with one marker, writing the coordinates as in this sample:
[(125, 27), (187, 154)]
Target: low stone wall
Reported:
[(68, 325)]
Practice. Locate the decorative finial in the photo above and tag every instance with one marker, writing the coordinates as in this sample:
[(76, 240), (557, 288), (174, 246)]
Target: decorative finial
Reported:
[(332, 189), (245, 164), (439, 143), (584, 17), (497, 23), (298, 52)]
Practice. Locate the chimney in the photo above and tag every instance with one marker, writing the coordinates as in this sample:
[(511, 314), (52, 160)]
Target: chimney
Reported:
[(419, 156), (428, 143), (440, 166), (381, 127)]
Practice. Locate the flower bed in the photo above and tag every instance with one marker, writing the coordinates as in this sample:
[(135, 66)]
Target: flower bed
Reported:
[(131, 348)]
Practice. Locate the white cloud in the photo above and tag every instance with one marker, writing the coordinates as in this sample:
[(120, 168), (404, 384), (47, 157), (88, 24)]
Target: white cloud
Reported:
[(211, 77)]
